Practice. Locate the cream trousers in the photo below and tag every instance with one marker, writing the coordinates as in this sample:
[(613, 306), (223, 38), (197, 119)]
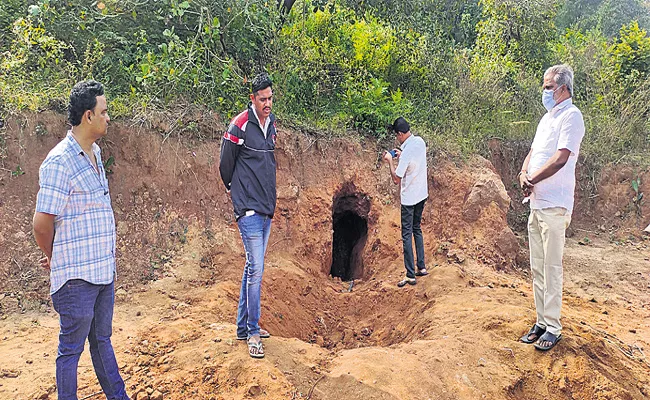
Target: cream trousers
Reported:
[(546, 229)]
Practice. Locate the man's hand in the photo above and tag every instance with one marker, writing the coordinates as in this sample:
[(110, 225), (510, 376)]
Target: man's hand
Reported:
[(44, 236), (524, 184), (398, 153), (387, 157), (45, 262)]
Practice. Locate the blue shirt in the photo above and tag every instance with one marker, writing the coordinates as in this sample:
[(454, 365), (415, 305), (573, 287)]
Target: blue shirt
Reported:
[(84, 224)]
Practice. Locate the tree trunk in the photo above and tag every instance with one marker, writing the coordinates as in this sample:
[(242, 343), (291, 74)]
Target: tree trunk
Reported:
[(285, 6)]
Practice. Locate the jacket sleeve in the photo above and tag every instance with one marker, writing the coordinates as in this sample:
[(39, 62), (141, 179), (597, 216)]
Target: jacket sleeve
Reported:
[(230, 146)]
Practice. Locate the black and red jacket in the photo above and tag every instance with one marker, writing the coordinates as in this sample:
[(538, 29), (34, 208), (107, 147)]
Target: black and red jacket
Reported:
[(247, 164)]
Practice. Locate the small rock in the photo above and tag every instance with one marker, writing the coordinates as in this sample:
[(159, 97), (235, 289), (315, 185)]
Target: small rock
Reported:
[(20, 236), (255, 390), (481, 362), (122, 228), (141, 395), (9, 373), (156, 395), (41, 395), (632, 330), (10, 305)]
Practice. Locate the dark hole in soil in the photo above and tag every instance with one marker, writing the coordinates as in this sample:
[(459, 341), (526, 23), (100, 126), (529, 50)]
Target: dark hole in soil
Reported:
[(350, 223)]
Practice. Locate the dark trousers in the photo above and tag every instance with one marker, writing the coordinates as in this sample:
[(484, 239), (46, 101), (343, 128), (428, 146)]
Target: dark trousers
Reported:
[(411, 218), (86, 312)]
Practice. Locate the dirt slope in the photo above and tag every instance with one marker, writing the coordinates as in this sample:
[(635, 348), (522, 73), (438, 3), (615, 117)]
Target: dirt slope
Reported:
[(452, 336)]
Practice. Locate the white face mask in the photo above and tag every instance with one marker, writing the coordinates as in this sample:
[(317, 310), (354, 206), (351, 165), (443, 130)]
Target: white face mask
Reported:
[(548, 98)]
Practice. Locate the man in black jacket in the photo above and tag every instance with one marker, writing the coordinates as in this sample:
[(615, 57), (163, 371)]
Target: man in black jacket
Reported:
[(247, 167)]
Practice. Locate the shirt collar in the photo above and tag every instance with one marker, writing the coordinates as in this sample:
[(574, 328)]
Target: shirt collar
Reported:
[(566, 103), (76, 146), (406, 141), (266, 123)]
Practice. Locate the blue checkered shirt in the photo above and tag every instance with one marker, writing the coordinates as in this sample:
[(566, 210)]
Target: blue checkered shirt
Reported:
[(84, 225)]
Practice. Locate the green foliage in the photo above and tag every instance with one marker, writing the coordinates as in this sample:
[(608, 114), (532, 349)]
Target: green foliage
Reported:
[(353, 64), (611, 89), (18, 171), (631, 54), (148, 53), (605, 15), (442, 21), (463, 72), (513, 37), (34, 57), (108, 165)]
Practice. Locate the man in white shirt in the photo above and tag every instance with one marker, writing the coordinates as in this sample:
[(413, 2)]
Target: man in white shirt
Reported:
[(411, 175), (547, 178)]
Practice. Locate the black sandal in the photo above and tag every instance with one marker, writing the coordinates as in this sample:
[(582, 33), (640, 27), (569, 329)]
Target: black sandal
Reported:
[(547, 337), (535, 330)]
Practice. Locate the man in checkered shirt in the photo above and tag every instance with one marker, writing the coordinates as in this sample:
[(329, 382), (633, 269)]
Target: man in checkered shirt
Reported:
[(74, 226)]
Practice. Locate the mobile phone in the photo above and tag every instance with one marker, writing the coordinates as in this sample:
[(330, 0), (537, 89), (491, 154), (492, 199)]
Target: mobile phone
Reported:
[(393, 153)]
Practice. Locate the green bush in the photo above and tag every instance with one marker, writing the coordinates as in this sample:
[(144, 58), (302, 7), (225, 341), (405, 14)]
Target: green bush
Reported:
[(349, 69), (462, 72)]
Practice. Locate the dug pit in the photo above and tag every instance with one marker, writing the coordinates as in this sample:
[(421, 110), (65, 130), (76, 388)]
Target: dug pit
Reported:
[(350, 210)]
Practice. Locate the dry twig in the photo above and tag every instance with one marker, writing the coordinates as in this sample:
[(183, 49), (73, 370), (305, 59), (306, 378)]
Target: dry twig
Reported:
[(314, 386)]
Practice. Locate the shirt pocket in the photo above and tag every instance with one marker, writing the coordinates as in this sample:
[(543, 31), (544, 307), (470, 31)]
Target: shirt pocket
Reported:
[(79, 201), (86, 194), (553, 136)]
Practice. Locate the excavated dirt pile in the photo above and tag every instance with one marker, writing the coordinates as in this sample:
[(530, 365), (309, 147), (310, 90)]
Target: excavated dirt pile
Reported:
[(341, 328)]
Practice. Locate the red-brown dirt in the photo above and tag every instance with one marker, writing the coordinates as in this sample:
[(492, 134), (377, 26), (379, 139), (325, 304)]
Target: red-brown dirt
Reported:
[(452, 336)]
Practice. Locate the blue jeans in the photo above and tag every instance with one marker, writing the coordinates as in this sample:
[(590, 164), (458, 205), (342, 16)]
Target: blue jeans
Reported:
[(255, 230), (86, 311), (411, 218)]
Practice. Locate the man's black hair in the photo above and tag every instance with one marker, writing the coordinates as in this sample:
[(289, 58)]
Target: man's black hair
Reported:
[(83, 97), (400, 125), (261, 82)]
